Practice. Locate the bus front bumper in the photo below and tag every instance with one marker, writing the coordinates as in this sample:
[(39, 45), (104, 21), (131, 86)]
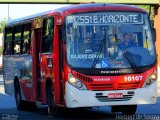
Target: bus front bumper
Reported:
[(86, 98)]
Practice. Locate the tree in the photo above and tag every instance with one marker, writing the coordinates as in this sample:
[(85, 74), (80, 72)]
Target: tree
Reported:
[(148, 8), (2, 25)]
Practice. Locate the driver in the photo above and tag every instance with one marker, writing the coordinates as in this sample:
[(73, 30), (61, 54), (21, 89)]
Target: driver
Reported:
[(128, 41)]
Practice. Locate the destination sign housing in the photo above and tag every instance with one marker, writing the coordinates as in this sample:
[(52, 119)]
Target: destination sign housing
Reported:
[(107, 18)]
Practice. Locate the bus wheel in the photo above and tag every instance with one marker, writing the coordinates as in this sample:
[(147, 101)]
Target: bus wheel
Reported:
[(23, 105), (129, 109), (19, 102), (52, 109)]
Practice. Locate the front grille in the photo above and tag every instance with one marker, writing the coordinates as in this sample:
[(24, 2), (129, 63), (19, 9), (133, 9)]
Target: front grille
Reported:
[(101, 86), (122, 86), (84, 78), (105, 85)]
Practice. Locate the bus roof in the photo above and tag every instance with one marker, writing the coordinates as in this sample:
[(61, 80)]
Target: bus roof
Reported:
[(78, 8), (150, 2), (135, 2)]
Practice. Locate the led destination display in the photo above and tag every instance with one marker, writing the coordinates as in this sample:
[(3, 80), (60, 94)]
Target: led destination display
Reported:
[(108, 18)]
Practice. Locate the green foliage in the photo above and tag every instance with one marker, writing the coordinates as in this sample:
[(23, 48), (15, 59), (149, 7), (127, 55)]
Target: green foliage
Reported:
[(0, 50), (2, 25), (18, 36), (148, 9), (9, 36)]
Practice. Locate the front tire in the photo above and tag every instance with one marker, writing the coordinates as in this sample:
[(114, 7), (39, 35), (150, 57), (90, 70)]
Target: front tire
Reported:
[(52, 109), (19, 102)]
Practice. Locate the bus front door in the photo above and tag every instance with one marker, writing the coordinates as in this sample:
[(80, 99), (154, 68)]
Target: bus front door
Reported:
[(36, 62)]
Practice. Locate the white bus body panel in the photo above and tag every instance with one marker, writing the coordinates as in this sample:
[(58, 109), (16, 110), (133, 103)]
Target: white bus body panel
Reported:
[(86, 98)]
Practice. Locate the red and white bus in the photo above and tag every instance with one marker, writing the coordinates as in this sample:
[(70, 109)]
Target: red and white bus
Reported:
[(76, 57)]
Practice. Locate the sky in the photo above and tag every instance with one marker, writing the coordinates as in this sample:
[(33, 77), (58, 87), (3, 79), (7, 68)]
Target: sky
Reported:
[(22, 10)]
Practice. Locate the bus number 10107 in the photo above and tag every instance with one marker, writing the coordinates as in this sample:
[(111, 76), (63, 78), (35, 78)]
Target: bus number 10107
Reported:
[(132, 78)]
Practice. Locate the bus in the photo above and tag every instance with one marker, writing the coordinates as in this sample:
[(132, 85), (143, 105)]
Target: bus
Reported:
[(74, 57)]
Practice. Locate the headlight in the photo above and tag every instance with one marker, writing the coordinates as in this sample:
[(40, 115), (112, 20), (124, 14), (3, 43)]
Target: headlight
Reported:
[(72, 80), (75, 82), (151, 79)]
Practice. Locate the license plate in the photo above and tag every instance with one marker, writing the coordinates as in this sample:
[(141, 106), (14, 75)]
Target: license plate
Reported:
[(115, 95)]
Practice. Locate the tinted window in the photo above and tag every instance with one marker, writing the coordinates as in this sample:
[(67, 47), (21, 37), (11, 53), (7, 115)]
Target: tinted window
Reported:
[(8, 42), (47, 35), (17, 39), (26, 39)]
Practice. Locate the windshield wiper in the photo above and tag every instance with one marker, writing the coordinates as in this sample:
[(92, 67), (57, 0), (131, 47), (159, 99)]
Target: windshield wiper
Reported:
[(103, 42), (125, 52)]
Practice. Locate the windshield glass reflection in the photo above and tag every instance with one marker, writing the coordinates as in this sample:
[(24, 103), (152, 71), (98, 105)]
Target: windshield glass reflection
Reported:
[(95, 42)]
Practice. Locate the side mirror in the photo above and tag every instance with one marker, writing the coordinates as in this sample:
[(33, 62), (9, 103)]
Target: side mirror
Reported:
[(154, 34)]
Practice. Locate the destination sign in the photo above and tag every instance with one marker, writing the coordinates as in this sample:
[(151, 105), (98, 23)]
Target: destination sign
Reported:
[(85, 56), (108, 18)]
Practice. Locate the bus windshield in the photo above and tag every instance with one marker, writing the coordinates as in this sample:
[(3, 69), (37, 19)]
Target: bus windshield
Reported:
[(109, 40)]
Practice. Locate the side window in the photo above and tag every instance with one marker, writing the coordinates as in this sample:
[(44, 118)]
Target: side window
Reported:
[(47, 35), (26, 39), (17, 40), (8, 41)]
